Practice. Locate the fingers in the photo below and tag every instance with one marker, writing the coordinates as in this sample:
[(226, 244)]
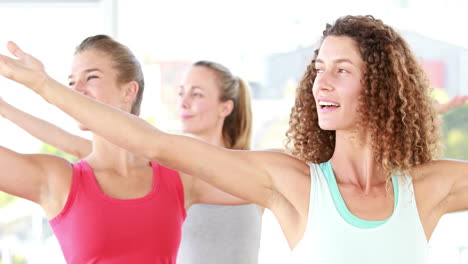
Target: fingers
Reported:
[(7, 62), (5, 66), (16, 50), (455, 102), (459, 100)]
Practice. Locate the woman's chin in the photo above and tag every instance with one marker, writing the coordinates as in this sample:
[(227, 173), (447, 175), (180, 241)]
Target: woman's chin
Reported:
[(82, 127), (327, 127), (187, 129)]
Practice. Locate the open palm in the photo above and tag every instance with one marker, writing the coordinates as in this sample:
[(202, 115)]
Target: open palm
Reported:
[(26, 69)]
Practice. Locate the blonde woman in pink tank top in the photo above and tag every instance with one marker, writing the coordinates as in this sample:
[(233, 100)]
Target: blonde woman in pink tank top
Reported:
[(211, 232), (113, 206)]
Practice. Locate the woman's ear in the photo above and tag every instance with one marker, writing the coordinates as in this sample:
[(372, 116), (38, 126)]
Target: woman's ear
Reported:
[(130, 91), (226, 108)]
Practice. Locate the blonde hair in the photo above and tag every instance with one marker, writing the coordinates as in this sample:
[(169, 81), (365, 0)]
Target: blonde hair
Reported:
[(127, 66), (237, 127)]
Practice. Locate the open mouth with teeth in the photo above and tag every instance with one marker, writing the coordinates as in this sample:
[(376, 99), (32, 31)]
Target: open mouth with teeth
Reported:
[(328, 105)]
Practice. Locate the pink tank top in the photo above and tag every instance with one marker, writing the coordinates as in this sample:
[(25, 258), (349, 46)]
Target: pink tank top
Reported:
[(96, 228)]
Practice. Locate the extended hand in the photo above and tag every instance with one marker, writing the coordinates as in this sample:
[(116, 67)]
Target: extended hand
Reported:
[(455, 102), (2, 105), (25, 70)]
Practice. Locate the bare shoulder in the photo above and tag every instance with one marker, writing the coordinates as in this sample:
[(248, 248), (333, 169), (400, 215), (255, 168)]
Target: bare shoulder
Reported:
[(440, 187), (52, 165), (59, 166), (433, 180), (279, 159), (438, 169), (432, 177), (291, 178), (282, 169), (58, 172)]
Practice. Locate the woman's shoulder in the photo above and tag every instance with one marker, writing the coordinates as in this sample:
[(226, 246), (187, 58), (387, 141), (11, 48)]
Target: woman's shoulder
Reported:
[(52, 164), (279, 160), (436, 168)]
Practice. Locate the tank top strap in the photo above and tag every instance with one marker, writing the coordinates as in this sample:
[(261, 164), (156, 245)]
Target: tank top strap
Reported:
[(86, 172), (77, 177), (319, 191), (170, 180)]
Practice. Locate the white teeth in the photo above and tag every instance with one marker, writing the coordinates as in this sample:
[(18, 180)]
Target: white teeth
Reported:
[(327, 104)]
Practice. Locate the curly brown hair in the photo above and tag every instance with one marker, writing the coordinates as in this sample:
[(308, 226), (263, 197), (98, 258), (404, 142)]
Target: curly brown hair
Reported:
[(395, 105)]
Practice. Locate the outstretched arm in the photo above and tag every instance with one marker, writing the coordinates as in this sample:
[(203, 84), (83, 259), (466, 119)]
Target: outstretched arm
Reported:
[(46, 132), (245, 174), (446, 184), (453, 103), (43, 179)]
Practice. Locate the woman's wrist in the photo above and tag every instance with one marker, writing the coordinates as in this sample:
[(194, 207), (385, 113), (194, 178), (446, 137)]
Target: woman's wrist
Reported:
[(3, 108)]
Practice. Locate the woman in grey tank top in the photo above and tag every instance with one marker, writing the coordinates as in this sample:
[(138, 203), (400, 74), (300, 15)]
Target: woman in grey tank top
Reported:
[(213, 233)]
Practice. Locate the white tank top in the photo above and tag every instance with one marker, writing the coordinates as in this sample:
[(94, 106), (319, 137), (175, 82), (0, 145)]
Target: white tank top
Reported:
[(334, 236)]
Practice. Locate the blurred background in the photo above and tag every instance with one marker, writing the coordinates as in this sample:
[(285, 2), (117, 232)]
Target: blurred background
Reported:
[(268, 43)]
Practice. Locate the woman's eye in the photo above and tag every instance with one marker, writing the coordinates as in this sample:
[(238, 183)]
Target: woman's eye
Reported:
[(91, 77)]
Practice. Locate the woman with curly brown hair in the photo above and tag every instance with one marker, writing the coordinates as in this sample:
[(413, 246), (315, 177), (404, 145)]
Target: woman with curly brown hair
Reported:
[(363, 185)]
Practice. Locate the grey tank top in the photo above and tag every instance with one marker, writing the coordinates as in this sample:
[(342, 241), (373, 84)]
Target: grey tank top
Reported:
[(220, 234)]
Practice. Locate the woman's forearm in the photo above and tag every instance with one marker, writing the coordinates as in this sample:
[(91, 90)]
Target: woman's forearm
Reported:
[(46, 132), (119, 127)]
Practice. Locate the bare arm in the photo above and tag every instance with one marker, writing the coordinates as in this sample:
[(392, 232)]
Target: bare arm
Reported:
[(450, 175), (204, 192), (245, 174), (446, 184), (457, 179), (32, 177), (273, 180), (46, 132), (453, 103)]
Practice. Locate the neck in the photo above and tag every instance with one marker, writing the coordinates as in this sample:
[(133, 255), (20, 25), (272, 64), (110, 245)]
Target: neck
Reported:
[(106, 155), (353, 161), (212, 135), (214, 138)]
